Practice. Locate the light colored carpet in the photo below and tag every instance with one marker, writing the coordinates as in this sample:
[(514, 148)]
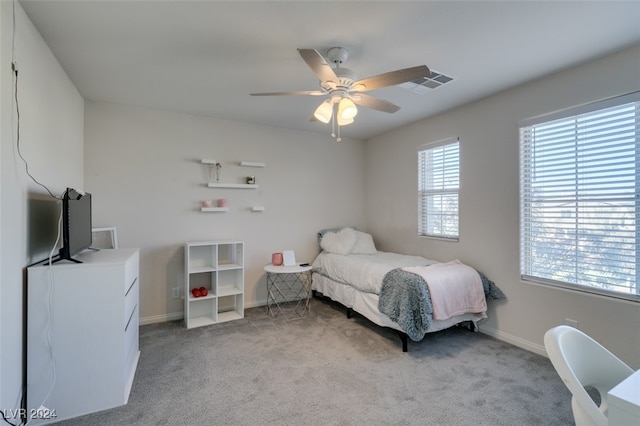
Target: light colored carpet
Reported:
[(326, 369)]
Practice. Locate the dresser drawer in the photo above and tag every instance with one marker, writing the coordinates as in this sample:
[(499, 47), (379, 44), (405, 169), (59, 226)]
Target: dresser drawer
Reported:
[(131, 301), (132, 270), (131, 334), (131, 346)]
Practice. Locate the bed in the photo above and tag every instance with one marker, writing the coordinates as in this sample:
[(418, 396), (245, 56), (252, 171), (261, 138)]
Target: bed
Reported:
[(410, 294)]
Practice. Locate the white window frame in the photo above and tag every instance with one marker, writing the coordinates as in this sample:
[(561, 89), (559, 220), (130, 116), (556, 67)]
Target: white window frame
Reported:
[(579, 198), (439, 190)]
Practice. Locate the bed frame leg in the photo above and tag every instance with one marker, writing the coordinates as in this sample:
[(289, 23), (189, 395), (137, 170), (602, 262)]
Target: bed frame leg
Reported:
[(403, 337), (349, 312)]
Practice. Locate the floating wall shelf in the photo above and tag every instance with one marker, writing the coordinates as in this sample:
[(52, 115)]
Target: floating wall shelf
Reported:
[(214, 209), (257, 208), (251, 164), (208, 161), (233, 185)]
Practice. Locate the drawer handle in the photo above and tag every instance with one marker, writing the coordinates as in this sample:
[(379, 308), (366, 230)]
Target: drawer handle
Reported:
[(135, 308), (131, 286)]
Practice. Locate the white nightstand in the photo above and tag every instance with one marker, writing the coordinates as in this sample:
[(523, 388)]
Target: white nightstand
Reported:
[(288, 290)]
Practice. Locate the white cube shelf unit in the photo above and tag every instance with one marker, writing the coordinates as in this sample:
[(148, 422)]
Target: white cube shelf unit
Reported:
[(217, 266)]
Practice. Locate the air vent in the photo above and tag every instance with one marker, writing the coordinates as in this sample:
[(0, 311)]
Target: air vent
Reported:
[(426, 84)]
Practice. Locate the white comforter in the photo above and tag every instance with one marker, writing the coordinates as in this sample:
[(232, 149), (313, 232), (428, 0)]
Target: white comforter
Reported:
[(364, 271)]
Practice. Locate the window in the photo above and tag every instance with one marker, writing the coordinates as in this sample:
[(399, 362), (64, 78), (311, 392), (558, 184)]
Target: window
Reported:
[(579, 206), (438, 187)]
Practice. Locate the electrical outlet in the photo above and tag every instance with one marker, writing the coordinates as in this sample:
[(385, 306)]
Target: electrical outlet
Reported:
[(175, 292), (571, 323)]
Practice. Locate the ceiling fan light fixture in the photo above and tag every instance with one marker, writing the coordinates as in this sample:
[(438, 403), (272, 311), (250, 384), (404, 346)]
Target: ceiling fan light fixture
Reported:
[(345, 89), (344, 121), (324, 112), (347, 109)]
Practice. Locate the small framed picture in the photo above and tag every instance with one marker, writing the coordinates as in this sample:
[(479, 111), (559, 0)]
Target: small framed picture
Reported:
[(288, 258), (104, 238), (251, 180)]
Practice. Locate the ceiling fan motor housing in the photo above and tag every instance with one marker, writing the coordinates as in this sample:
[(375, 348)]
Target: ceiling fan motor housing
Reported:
[(346, 78)]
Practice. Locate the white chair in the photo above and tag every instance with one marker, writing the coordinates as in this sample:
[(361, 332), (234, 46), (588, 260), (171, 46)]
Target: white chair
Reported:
[(582, 362)]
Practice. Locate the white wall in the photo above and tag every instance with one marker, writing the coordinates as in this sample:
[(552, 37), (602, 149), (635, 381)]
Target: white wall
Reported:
[(143, 169), (51, 140), (489, 210)]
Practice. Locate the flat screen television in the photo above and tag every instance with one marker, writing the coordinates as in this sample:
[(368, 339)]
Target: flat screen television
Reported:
[(76, 224)]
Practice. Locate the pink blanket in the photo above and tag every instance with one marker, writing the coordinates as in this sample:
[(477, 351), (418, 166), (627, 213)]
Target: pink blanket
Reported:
[(455, 288)]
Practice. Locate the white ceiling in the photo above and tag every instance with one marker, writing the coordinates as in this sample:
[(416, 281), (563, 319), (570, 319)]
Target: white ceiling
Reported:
[(205, 57)]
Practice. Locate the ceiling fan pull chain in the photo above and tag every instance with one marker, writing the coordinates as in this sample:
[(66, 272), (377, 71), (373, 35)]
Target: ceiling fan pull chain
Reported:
[(333, 121)]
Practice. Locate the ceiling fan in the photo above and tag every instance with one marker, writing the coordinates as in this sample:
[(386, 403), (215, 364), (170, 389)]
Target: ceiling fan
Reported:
[(344, 90)]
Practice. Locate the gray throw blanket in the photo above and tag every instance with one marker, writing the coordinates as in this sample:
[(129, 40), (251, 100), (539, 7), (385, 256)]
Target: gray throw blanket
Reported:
[(405, 299)]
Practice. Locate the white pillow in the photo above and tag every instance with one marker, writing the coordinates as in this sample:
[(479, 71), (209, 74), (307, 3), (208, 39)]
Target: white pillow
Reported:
[(364, 244), (340, 242)]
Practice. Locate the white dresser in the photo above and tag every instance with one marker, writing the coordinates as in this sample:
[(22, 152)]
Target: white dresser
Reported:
[(82, 334)]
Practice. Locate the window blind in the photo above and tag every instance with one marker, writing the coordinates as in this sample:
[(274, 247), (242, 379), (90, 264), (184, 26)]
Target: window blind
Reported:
[(579, 187), (438, 188)]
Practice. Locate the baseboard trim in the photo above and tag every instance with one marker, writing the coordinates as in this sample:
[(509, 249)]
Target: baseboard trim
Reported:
[(514, 340), (161, 318), (256, 304)]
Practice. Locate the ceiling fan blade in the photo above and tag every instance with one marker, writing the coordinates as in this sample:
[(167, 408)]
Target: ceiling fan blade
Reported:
[(295, 92), (390, 78), (319, 66), (374, 103)]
